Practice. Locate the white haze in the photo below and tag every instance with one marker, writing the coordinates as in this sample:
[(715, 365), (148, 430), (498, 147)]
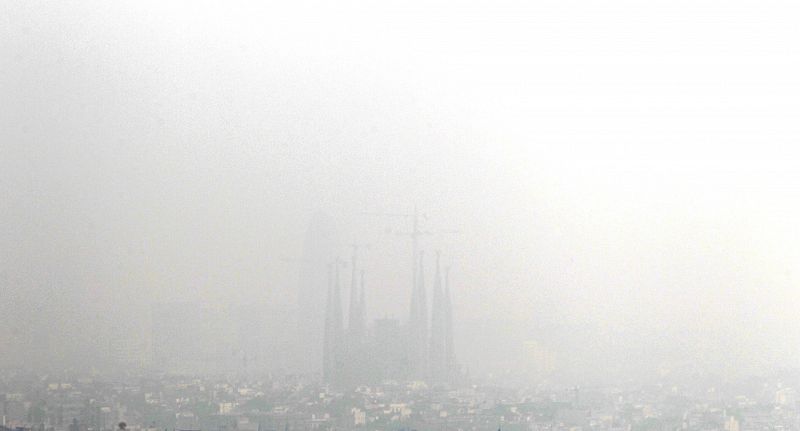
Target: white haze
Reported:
[(623, 175)]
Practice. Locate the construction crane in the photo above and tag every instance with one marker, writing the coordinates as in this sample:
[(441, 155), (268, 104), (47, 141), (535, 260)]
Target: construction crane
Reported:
[(415, 233)]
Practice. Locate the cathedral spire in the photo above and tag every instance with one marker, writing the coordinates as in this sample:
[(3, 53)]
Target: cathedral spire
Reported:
[(423, 301), (337, 304), (352, 322), (413, 313), (328, 341), (438, 330), (418, 324), (362, 307)]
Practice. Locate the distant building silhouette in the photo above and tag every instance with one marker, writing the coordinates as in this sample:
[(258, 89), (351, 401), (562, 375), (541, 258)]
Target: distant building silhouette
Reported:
[(318, 251), (437, 352), (418, 325), (387, 350), (333, 342)]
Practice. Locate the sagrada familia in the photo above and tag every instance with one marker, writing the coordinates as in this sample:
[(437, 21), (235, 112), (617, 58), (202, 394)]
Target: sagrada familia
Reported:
[(421, 349)]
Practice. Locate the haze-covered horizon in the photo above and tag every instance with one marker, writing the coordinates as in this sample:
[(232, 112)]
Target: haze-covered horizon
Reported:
[(615, 182)]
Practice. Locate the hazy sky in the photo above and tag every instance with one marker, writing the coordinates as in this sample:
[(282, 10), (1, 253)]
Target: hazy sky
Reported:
[(625, 165)]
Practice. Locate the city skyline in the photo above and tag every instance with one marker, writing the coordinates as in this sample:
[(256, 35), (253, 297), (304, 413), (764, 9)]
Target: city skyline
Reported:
[(417, 215)]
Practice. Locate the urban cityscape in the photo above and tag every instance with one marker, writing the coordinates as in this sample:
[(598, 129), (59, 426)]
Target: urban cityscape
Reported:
[(201, 371), (399, 215), (158, 402)]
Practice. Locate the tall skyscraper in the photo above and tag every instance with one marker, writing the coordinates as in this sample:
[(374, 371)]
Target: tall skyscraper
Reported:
[(333, 360), (437, 350), (418, 325), (318, 252)]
